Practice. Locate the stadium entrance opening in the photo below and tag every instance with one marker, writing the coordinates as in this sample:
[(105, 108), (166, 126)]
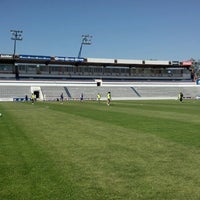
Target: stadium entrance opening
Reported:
[(37, 94), (98, 82)]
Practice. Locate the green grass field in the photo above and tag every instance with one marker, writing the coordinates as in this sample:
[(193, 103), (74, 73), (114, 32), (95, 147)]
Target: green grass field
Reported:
[(88, 151)]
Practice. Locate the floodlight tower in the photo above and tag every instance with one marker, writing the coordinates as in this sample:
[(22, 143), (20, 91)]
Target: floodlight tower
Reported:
[(86, 40), (16, 35)]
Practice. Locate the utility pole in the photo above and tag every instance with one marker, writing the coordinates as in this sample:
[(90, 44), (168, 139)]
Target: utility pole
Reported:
[(16, 35), (86, 40)]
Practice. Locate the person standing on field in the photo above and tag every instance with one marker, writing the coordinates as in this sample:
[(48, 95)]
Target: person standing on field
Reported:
[(26, 98), (81, 97), (98, 97), (180, 96), (61, 97), (108, 98), (32, 98)]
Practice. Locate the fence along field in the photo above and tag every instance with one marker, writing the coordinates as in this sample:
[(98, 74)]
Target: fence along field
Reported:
[(85, 150)]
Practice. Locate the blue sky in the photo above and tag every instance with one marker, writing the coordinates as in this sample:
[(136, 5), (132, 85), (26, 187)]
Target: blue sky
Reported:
[(129, 29)]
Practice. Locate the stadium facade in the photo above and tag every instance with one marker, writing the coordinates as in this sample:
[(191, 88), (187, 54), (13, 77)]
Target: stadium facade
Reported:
[(67, 68)]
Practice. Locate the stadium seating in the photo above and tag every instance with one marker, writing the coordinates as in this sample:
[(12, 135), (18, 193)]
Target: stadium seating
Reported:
[(90, 91), (14, 91), (53, 92)]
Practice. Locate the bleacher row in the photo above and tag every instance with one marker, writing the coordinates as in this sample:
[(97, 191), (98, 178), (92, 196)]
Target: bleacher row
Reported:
[(90, 92)]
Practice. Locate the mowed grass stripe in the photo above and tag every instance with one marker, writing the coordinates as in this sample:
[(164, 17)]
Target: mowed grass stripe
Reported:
[(94, 156), (27, 170), (181, 126)]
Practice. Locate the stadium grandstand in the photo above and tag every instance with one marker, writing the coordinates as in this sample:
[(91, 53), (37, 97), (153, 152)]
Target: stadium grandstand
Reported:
[(65, 68), (49, 76)]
